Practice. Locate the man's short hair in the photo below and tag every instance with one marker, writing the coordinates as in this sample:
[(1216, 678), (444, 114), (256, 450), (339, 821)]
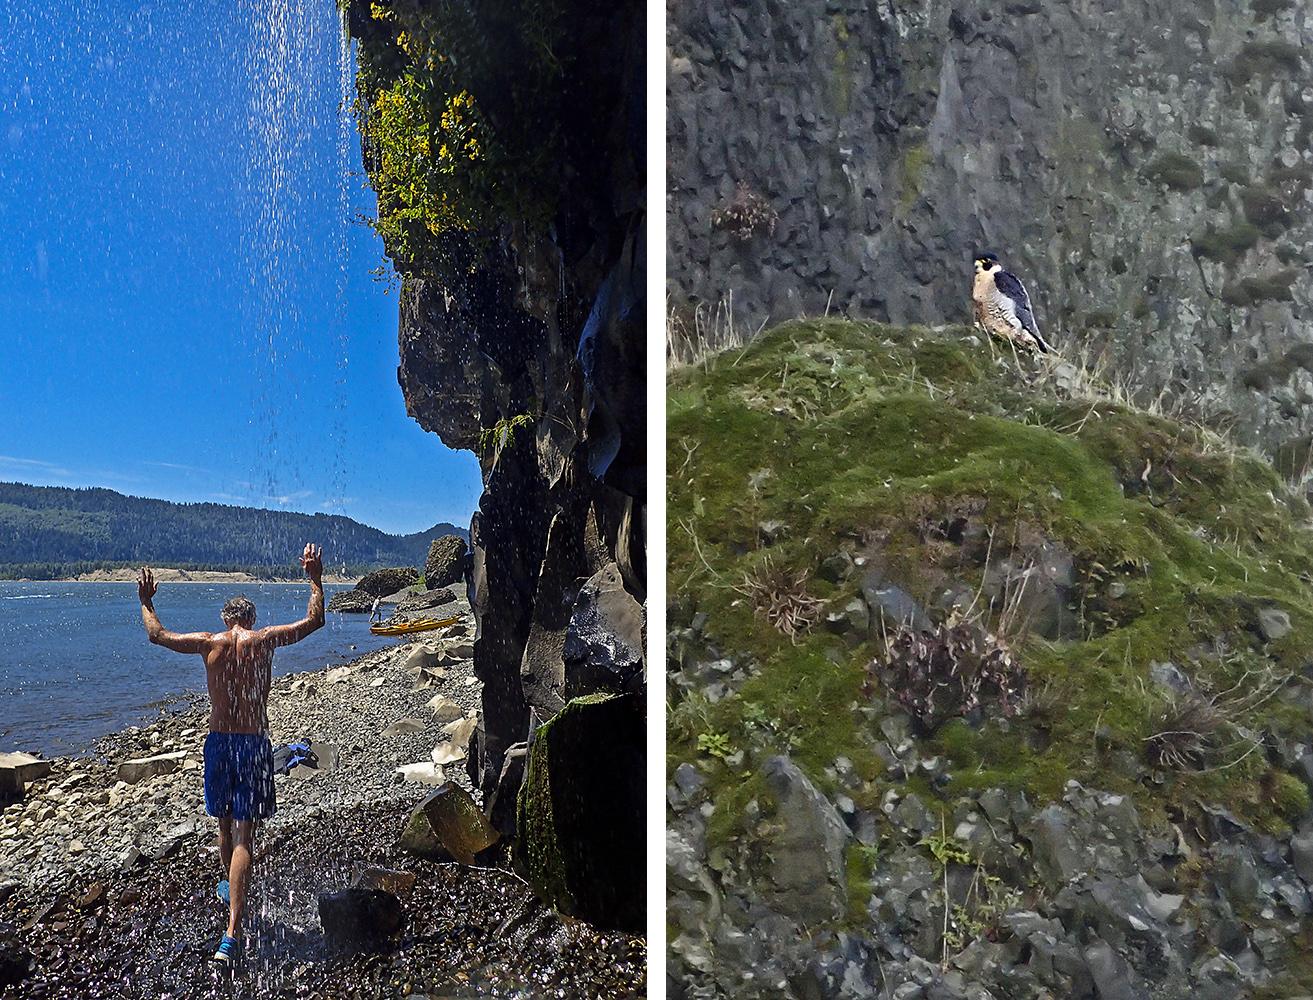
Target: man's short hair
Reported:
[(238, 611)]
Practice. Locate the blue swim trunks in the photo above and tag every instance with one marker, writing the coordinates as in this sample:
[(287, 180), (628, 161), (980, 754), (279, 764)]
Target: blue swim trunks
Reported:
[(239, 776)]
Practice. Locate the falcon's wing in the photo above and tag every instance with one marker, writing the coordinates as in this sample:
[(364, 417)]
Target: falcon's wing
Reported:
[(1010, 285)]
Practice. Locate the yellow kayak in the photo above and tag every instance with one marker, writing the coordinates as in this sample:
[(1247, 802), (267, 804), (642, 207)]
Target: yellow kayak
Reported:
[(418, 625)]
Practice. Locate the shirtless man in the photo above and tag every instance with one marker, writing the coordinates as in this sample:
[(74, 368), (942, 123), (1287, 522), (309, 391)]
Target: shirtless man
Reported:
[(239, 766)]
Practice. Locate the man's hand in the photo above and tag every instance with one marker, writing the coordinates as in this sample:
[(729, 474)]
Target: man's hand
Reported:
[(146, 586), (312, 561)]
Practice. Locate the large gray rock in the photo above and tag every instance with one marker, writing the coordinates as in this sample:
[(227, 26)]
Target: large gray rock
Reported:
[(351, 602), (802, 840), (446, 562), (426, 602), (142, 768), (24, 766), (604, 642), (383, 582)]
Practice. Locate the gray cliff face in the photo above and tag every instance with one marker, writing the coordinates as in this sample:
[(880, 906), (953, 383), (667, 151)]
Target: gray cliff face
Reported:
[(1145, 168), (529, 352)]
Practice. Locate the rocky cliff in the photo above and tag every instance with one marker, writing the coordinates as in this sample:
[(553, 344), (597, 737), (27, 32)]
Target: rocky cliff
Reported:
[(983, 684), (505, 143), (1145, 167)]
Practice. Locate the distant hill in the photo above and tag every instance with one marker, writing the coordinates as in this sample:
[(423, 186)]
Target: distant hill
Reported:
[(47, 532)]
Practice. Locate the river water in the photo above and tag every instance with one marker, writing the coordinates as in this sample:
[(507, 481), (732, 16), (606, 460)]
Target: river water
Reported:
[(75, 663)]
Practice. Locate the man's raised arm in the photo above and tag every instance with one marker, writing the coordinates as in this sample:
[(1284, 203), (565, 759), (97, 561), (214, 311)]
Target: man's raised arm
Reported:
[(312, 561), (179, 642)]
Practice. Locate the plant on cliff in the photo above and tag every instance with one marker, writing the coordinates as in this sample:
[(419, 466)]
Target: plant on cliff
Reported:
[(457, 110), (746, 214), (954, 670)]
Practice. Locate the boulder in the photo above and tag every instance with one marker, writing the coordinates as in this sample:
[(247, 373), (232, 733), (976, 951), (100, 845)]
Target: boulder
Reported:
[(351, 602), (501, 806), (24, 765), (15, 960), (581, 812), (444, 709), (448, 825), (446, 562), (421, 657), (388, 879), (142, 768), (1273, 624), (425, 772), (358, 914), (383, 582), (405, 727), (424, 602), (604, 641), (803, 842)]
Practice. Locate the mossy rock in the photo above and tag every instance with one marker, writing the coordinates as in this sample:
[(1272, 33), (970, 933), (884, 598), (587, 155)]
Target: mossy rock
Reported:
[(581, 814), (1226, 246), (904, 445), (1176, 171)]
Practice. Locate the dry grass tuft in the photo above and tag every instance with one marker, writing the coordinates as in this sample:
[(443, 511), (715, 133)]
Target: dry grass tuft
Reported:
[(780, 596)]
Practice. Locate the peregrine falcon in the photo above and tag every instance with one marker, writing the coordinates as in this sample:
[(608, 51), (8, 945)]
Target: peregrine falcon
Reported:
[(1002, 307)]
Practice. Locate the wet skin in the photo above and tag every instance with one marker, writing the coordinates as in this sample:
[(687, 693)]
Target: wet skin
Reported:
[(238, 662)]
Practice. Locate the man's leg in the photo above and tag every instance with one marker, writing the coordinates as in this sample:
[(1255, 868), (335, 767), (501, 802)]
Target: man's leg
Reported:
[(226, 842), (239, 872)]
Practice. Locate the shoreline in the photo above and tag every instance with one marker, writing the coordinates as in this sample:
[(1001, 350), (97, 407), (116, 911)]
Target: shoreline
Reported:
[(66, 824), (189, 576), (88, 861)]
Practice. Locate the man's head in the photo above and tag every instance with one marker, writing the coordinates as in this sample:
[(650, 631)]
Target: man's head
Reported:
[(238, 611)]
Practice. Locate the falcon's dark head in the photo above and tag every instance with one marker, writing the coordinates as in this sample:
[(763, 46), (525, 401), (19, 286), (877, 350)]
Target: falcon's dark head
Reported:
[(986, 262)]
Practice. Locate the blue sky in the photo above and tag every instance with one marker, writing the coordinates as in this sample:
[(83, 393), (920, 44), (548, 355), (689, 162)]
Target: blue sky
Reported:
[(186, 304)]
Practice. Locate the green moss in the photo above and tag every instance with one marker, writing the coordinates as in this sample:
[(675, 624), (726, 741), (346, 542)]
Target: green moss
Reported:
[(1235, 173), (1253, 291), (1290, 797), (860, 862), (1264, 60), (1226, 246), (1176, 171), (858, 434), (910, 171), (841, 81), (1264, 9)]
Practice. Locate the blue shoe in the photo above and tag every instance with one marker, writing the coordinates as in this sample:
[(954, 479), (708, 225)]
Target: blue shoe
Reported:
[(227, 950), (221, 890)]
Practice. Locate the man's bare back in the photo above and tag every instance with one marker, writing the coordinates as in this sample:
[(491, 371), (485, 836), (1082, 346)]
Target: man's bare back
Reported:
[(238, 660)]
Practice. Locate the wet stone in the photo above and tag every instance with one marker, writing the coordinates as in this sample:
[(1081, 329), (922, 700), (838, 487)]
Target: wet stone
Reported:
[(357, 914)]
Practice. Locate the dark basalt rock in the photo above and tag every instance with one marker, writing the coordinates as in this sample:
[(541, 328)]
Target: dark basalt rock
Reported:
[(351, 602), (15, 960), (581, 812), (357, 914), (446, 562), (530, 353), (426, 601), (383, 582)]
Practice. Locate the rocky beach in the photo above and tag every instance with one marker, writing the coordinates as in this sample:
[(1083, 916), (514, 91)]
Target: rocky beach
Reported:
[(108, 868)]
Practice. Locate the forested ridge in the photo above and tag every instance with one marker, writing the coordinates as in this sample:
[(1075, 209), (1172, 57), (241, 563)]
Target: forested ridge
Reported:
[(48, 532)]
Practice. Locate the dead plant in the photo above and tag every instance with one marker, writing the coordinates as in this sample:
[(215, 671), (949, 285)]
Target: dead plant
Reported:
[(779, 595)]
